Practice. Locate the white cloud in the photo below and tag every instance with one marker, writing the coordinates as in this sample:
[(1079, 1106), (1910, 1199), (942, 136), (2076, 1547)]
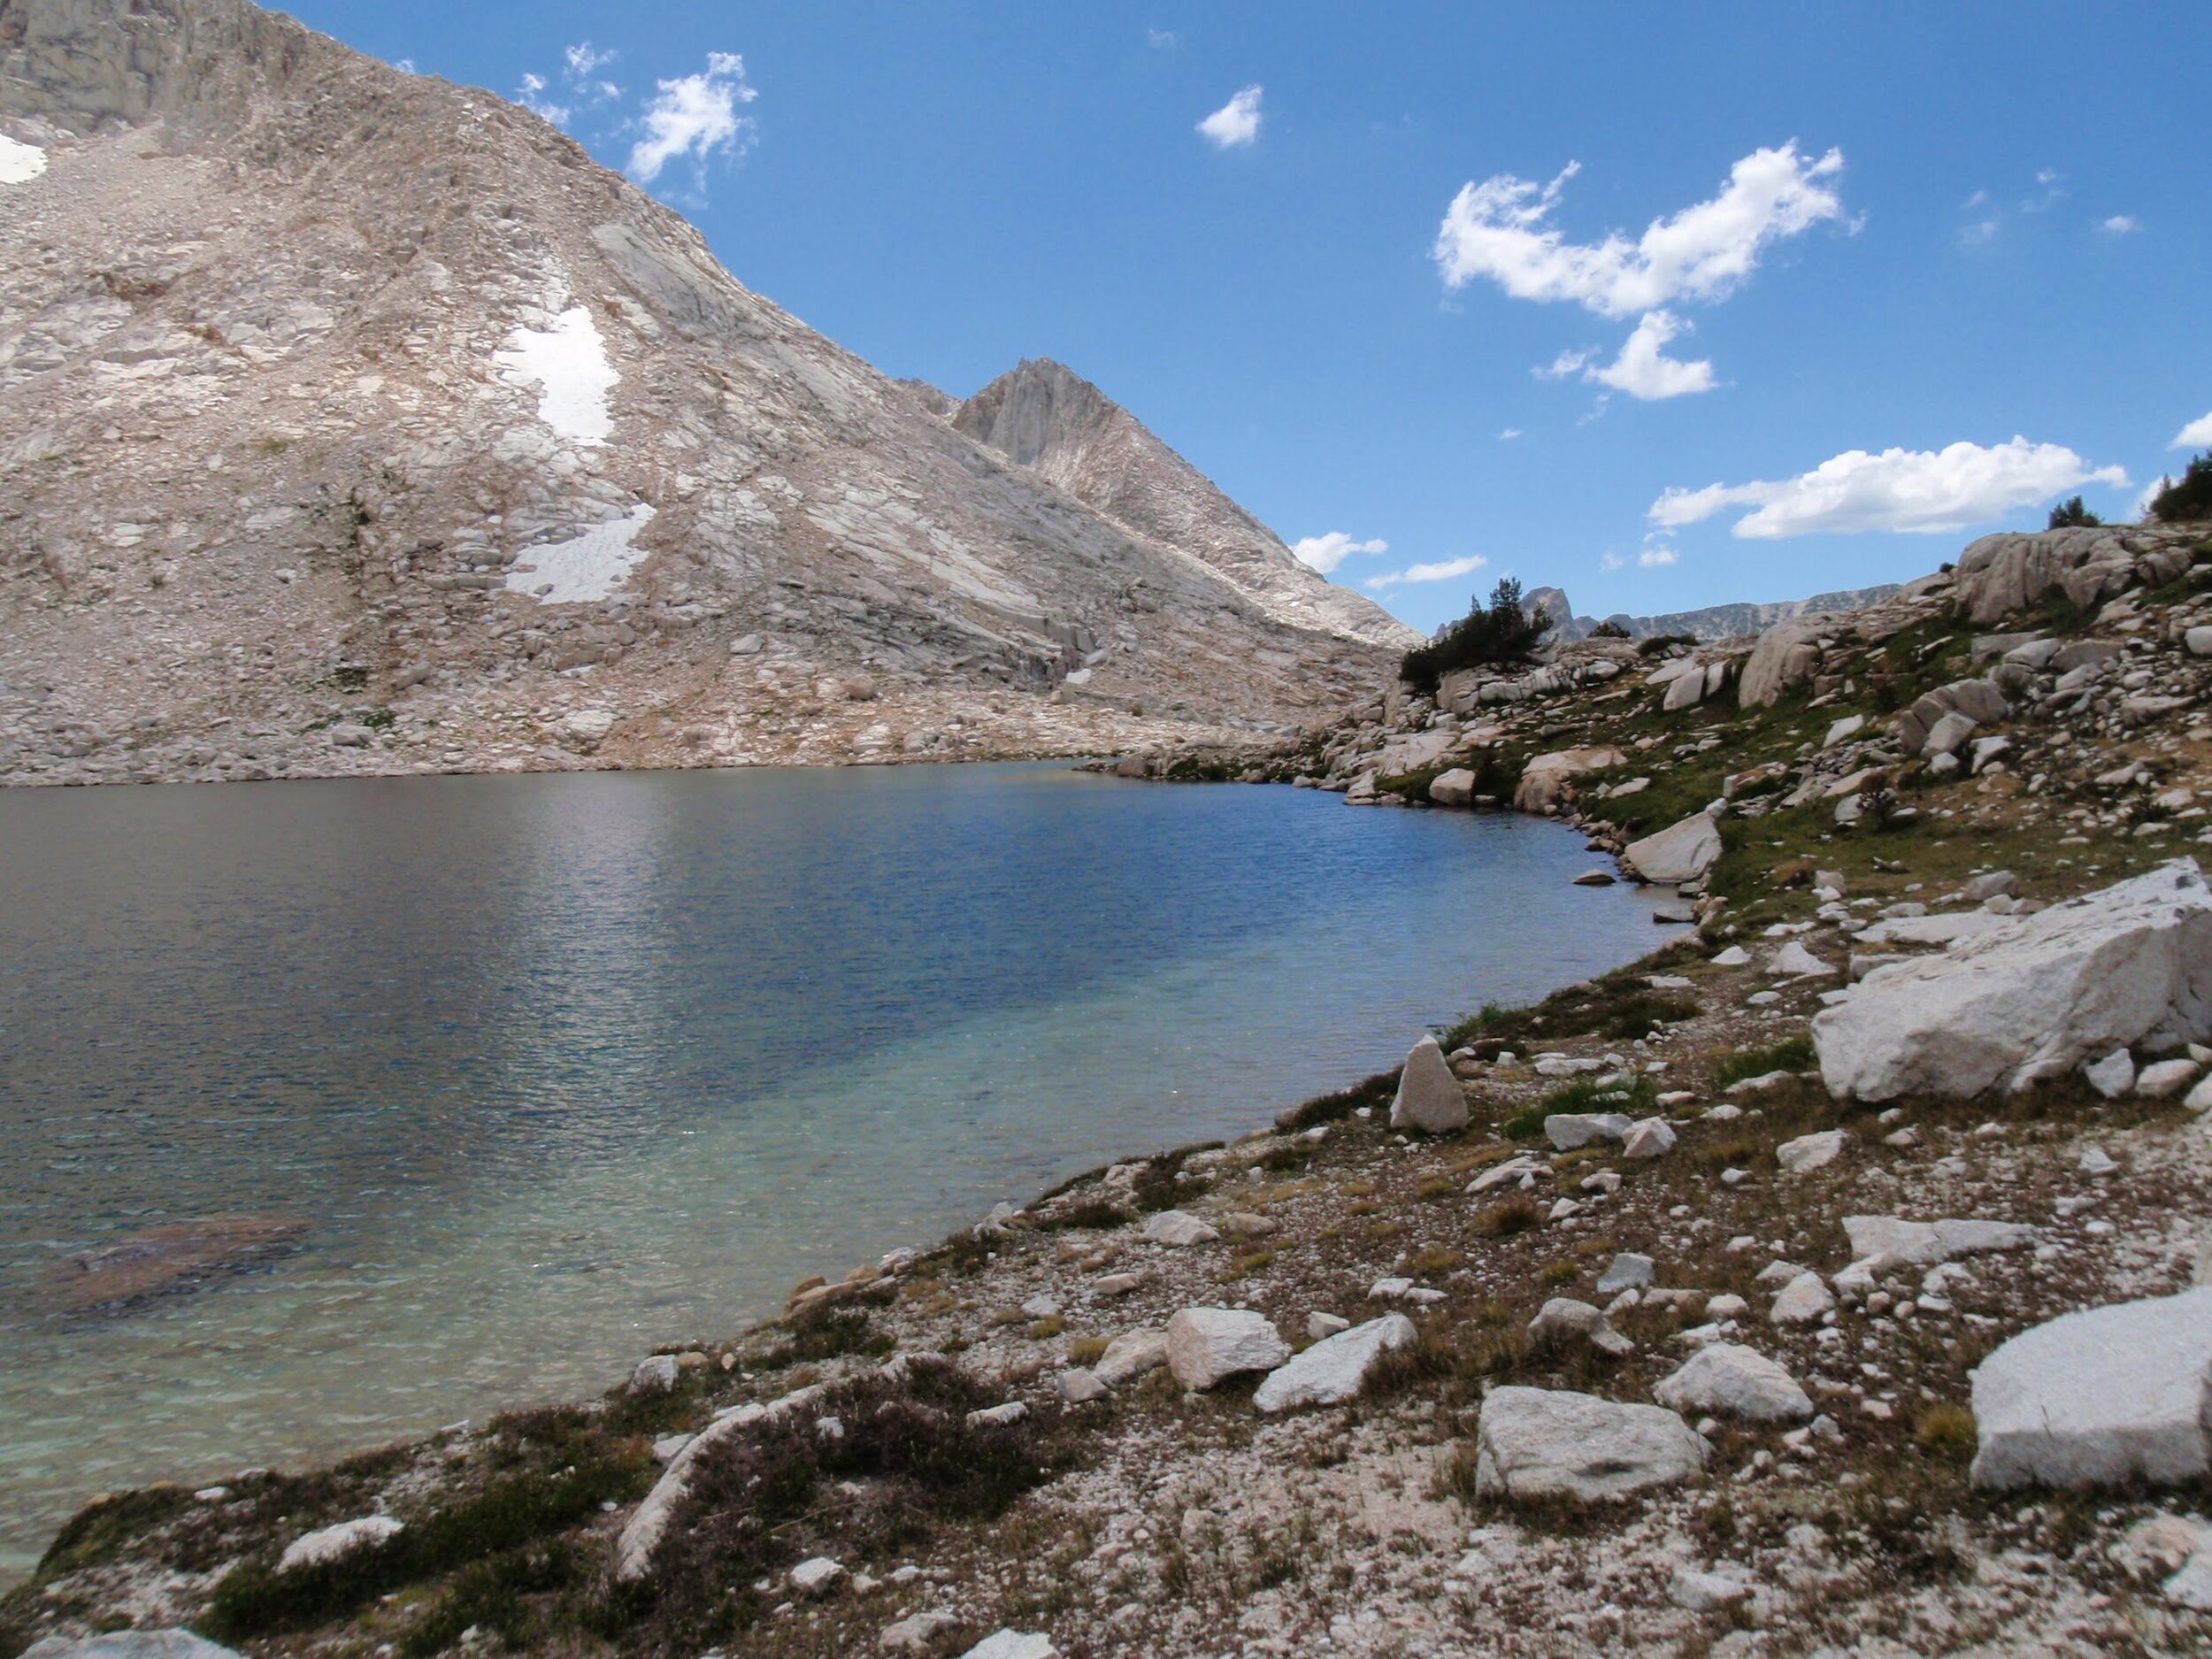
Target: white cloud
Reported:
[(530, 95), (1508, 434), (2197, 432), (1652, 557), (1442, 571), (1611, 562), (1161, 40), (2053, 194), (1912, 490), (1644, 371), (1325, 553), (695, 115), (1498, 229), (584, 61), (2120, 225), (1235, 123), (1980, 231), (405, 66)]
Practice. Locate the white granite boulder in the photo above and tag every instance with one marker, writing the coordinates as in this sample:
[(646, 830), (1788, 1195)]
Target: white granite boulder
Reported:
[(1683, 851), (1730, 1381), (1179, 1228), (1456, 787), (1013, 1644), (1809, 1152), (1543, 1444), (1334, 1369), (1428, 1097), (1566, 1131), (2106, 1397), (128, 1644), (2031, 997), (329, 1543), (1207, 1346), (1131, 1354)]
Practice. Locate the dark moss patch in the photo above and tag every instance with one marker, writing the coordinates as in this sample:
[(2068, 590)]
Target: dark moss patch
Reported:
[(1792, 1054), (826, 1331), (100, 1532)]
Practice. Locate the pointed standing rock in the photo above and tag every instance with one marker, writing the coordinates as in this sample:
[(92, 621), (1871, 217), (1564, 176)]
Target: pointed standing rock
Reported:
[(1428, 1096)]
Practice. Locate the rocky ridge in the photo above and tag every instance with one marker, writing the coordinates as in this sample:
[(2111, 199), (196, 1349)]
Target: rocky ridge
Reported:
[(1648, 1341), (351, 421)]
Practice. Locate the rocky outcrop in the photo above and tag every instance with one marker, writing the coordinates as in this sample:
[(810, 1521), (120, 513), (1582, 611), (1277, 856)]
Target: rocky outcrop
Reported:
[(2107, 1397), (2031, 998), (2000, 575)]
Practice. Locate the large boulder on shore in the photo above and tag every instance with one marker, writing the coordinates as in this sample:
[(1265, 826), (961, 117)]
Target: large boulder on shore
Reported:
[(1544, 780), (2000, 574), (2031, 998), (1542, 1444), (1680, 852), (1786, 655), (2107, 1397), (1428, 1097), (128, 1644), (1334, 1369)]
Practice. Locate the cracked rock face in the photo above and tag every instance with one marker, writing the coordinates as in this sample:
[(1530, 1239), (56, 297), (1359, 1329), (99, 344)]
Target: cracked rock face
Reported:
[(351, 421)]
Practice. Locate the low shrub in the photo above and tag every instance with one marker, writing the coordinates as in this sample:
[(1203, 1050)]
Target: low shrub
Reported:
[(2189, 497), (1499, 632)]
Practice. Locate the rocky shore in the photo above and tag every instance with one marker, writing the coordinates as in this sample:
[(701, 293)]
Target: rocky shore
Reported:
[(1835, 1279)]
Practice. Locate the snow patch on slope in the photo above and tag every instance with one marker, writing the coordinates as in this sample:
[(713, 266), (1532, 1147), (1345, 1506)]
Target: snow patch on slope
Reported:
[(568, 365), (19, 162), (589, 566)]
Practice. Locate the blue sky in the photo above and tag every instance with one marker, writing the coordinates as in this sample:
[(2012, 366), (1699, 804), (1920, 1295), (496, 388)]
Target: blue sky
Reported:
[(1838, 232)]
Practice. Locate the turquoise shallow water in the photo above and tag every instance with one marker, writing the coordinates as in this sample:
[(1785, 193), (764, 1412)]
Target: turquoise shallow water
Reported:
[(545, 1070)]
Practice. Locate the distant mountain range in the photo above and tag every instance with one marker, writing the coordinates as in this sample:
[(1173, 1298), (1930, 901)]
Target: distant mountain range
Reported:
[(1715, 622)]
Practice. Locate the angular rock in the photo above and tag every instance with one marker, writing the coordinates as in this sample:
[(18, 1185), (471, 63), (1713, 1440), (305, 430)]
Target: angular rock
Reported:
[(1566, 1131), (1013, 1644), (2031, 997), (2112, 1076), (313, 1550), (1809, 1152), (1705, 1592), (1797, 962), (654, 1376), (1334, 1369), (1802, 1300), (1537, 1444), (1730, 1381), (2106, 1397), (2163, 1078), (1428, 1097), (1078, 1386), (920, 1634), (1207, 1346), (1456, 787), (1682, 852), (1627, 1271), (1949, 732), (1651, 1138), (1179, 1228), (1131, 1354), (1564, 1321), (1888, 1241), (1324, 1324), (817, 1576), (128, 1644)]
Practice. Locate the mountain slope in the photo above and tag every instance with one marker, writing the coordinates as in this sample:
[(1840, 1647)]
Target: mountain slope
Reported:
[(350, 421), (1043, 416), (1714, 622)]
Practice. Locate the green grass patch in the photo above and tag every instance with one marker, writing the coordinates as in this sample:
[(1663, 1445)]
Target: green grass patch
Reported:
[(1792, 1054)]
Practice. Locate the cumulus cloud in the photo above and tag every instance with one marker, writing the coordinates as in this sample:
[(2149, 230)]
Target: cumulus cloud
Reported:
[(1499, 229), (1654, 556), (1611, 561), (1644, 371), (696, 116), (1508, 434), (1914, 490), (2120, 225), (2197, 433), (1442, 571), (580, 85), (1236, 123), (1325, 553)]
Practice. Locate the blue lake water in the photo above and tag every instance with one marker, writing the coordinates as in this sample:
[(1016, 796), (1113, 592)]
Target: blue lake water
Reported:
[(545, 1070)]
